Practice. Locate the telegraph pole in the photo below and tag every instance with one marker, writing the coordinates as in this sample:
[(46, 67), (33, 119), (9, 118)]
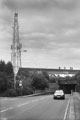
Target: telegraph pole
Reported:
[(16, 48)]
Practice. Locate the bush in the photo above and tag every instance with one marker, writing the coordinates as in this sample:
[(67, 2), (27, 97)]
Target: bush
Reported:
[(3, 82), (18, 91), (11, 93), (27, 91), (24, 91)]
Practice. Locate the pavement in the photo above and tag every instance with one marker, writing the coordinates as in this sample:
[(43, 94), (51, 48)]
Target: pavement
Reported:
[(74, 107)]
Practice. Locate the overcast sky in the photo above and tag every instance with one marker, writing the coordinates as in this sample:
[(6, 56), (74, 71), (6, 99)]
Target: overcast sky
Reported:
[(49, 31)]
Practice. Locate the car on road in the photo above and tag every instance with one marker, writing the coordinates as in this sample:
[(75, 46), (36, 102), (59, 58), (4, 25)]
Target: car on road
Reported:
[(59, 94)]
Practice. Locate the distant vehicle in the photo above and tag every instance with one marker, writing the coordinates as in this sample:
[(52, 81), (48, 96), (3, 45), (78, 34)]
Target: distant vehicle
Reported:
[(59, 94)]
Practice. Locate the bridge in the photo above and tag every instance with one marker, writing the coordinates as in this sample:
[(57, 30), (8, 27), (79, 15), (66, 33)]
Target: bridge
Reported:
[(67, 86), (56, 72)]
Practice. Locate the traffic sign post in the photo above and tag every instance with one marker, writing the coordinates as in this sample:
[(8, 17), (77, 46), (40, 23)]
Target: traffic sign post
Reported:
[(20, 83), (21, 86)]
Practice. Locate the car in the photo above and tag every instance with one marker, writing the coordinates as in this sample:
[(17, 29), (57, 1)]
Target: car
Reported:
[(59, 94)]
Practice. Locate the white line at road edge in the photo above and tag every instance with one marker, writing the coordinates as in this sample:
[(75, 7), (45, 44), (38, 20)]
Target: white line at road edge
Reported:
[(65, 115)]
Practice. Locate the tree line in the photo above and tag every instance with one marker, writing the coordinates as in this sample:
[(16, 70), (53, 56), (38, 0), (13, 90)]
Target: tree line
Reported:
[(31, 81), (6, 76)]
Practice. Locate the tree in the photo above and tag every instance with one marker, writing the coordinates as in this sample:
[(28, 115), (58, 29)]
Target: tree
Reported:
[(46, 75), (2, 66), (39, 81), (3, 82), (52, 80), (9, 69), (77, 78), (6, 76), (10, 75), (10, 82)]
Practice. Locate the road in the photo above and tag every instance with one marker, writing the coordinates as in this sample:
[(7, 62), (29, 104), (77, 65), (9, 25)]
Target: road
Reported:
[(33, 108)]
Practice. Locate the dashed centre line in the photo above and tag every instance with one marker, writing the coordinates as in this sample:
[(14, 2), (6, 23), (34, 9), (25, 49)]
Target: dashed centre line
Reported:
[(24, 104), (3, 118), (6, 109)]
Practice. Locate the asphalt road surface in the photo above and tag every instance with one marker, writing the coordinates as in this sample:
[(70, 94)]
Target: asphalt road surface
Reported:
[(33, 108)]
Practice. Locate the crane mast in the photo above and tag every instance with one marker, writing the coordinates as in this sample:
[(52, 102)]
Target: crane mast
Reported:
[(16, 46)]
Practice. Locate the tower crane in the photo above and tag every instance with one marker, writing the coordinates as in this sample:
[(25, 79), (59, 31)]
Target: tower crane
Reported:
[(16, 48)]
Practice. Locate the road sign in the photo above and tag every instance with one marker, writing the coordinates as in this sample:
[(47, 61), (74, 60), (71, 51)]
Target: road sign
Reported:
[(20, 83)]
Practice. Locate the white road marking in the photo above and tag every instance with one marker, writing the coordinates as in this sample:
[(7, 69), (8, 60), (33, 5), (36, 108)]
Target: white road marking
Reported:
[(65, 115), (6, 109), (3, 118), (23, 104)]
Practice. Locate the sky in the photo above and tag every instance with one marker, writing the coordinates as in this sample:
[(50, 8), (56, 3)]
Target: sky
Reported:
[(48, 29)]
